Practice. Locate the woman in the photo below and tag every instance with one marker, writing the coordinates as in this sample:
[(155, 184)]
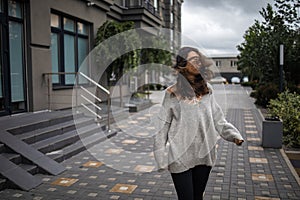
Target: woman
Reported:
[(191, 123)]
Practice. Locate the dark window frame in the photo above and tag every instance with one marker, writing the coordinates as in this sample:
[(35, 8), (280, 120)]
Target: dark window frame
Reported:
[(61, 32)]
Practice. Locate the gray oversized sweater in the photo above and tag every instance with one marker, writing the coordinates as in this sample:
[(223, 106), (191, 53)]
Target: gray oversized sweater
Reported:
[(188, 133)]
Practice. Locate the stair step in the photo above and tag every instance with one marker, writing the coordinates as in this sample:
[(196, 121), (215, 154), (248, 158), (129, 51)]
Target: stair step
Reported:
[(42, 124), (13, 157), (17, 175), (80, 146), (32, 169), (31, 154), (54, 130), (2, 147), (60, 141), (2, 184)]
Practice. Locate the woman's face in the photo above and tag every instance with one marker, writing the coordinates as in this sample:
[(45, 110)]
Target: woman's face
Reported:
[(194, 64)]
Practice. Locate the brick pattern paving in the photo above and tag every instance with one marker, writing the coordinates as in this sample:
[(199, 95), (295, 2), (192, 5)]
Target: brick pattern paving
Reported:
[(245, 172)]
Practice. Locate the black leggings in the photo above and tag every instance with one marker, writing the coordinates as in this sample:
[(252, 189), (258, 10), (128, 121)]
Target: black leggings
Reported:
[(190, 185)]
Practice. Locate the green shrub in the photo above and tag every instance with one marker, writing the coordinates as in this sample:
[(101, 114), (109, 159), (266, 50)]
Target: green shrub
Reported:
[(252, 84), (287, 108), (264, 93), (293, 88)]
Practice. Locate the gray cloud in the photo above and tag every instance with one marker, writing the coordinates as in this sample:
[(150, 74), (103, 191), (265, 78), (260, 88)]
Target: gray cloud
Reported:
[(219, 26), (248, 6)]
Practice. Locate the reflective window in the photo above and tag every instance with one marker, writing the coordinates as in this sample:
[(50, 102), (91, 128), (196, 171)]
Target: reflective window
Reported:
[(69, 51), (82, 28), (171, 18), (1, 74), (1, 5), (55, 22), (14, 9), (69, 25), (83, 48), (55, 56), (16, 61)]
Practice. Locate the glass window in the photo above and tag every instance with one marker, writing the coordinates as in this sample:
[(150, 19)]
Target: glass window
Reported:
[(1, 88), (156, 4), (55, 56), (14, 9), (69, 52), (171, 18), (16, 61), (1, 5), (82, 28), (69, 25), (55, 22), (68, 48), (82, 49), (82, 53)]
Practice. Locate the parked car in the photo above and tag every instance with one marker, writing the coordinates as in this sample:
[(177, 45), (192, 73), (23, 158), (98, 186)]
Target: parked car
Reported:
[(235, 80), (218, 80)]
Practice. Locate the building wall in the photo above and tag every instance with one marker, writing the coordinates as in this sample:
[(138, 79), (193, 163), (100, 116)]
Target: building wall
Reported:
[(40, 46), (227, 66), (39, 55)]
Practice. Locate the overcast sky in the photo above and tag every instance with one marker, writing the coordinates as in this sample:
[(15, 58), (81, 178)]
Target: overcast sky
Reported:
[(219, 25)]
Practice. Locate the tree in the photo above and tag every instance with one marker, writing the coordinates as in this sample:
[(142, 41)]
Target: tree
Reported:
[(119, 44), (259, 52)]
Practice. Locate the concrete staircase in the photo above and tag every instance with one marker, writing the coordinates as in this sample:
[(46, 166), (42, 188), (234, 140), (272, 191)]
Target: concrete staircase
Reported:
[(40, 144)]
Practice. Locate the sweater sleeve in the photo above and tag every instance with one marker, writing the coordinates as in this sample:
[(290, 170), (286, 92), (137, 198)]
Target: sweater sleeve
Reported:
[(225, 129), (161, 147)]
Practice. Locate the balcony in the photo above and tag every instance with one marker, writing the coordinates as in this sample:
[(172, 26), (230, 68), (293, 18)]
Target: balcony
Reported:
[(136, 4)]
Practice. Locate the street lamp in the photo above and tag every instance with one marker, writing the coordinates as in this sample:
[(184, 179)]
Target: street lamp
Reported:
[(281, 53)]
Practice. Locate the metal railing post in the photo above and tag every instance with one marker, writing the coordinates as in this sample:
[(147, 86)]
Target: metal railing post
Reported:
[(49, 95), (108, 112), (76, 92)]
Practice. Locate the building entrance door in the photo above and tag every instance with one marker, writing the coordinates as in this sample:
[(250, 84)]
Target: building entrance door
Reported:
[(12, 62)]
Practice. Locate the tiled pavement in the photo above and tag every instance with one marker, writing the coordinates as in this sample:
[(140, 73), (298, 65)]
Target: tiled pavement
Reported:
[(246, 172)]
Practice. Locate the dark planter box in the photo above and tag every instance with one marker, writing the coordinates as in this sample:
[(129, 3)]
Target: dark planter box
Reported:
[(272, 131)]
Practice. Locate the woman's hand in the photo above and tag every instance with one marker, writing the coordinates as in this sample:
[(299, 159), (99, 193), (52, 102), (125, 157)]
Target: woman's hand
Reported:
[(238, 142)]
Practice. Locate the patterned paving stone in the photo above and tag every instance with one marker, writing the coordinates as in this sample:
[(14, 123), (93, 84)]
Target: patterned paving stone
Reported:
[(265, 198), (129, 141), (143, 168), (123, 188), (64, 182), (250, 126), (255, 148), (92, 164), (262, 177), (253, 139), (258, 160), (251, 132), (114, 151)]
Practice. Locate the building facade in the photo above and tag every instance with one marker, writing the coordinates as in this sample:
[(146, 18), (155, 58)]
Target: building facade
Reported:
[(54, 36), (227, 66)]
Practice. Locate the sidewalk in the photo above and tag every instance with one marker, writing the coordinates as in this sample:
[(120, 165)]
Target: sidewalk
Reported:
[(246, 172)]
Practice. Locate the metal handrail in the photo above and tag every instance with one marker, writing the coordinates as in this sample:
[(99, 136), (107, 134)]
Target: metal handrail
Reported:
[(95, 83), (77, 83), (107, 93)]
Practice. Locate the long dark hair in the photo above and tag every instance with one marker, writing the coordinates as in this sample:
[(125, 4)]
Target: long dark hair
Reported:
[(190, 86)]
